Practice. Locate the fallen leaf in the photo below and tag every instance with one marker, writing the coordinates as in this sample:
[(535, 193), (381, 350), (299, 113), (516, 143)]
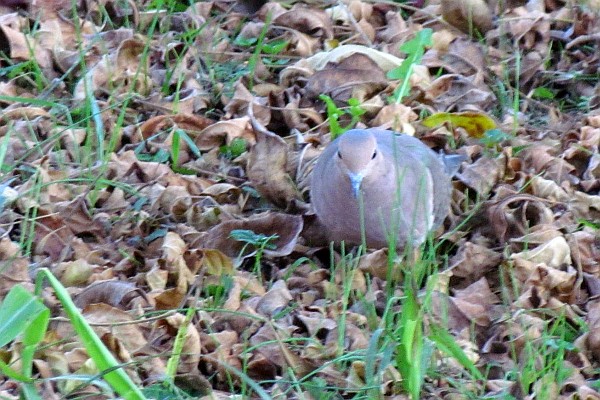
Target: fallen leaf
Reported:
[(476, 124)]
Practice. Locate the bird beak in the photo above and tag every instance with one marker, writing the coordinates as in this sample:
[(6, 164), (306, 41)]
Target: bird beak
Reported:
[(355, 181)]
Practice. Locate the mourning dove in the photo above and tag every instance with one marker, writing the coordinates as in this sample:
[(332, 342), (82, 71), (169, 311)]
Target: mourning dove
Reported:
[(403, 185)]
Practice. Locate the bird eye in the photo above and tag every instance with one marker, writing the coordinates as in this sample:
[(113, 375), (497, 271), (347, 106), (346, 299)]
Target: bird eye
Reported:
[(339, 155), (374, 154)]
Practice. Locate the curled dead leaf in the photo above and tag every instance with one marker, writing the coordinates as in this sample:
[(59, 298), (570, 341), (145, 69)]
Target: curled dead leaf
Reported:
[(509, 221), (476, 302), (384, 60), (356, 76)]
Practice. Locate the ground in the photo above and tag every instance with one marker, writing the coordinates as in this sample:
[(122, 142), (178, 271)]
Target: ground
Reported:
[(156, 158)]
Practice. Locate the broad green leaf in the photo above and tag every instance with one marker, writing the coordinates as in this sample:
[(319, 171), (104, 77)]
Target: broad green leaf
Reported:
[(17, 311), (275, 46), (414, 48), (543, 93), (493, 137)]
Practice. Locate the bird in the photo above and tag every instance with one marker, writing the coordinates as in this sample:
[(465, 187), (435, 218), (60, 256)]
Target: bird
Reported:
[(390, 186)]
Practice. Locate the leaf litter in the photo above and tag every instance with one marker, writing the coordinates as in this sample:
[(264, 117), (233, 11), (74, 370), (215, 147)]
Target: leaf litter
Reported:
[(137, 141)]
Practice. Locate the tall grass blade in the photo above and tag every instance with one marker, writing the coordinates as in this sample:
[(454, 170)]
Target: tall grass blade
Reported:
[(105, 361)]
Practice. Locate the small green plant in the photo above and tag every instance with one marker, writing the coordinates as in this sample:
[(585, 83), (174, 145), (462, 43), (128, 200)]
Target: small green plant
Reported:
[(217, 292), (491, 139), (234, 149), (258, 240), (544, 358), (178, 136), (406, 329), (272, 48), (543, 93), (354, 110), (261, 47), (171, 6), (414, 49), (27, 71)]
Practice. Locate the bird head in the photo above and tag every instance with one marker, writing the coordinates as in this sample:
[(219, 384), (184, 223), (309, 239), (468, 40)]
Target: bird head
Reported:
[(357, 155)]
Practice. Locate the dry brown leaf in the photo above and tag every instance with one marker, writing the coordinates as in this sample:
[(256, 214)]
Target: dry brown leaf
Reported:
[(356, 76), (223, 132), (473, 261), (514, 221), (542, 159), (310, 21), (456, 55), (216, 263), (192, 124), (286, 227), (483, 174), (469, 16), (275, 300), (13, 266), (555, 253), (454, 92), (320, 60), (123, 70), (396, 117), (267, 170), (585, 250), (593, 320), (476, 302), (74, 273)]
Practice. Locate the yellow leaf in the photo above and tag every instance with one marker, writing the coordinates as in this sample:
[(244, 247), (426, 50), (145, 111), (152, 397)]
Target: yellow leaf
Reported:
[(475, 123), (217, 263)]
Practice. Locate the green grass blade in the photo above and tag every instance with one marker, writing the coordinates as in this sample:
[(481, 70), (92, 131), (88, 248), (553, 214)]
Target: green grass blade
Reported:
[(175, 145), (32, 335), (445, 342), (12, 374), (30, 392), (105, 361), (410, 352), (3, 150), (192, 145)]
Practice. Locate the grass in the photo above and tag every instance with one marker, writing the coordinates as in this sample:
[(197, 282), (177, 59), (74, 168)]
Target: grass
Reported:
[(407, 348), (24, 315)]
